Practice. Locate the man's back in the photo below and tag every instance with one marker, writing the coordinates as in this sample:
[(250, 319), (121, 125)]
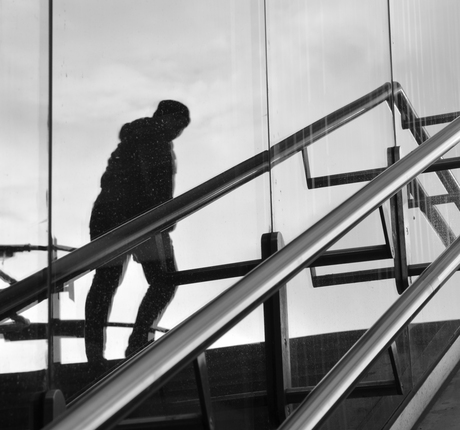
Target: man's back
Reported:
[(140, 172)]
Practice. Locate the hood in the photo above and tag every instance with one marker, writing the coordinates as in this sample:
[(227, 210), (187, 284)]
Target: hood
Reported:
[(139, 126), (148, 128)]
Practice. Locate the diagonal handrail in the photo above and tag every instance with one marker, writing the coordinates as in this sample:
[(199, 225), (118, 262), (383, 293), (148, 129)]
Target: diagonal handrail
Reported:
[(127, 236), (151, 368)]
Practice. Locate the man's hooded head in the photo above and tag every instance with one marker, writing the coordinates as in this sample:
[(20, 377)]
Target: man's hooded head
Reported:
[(173, 114)]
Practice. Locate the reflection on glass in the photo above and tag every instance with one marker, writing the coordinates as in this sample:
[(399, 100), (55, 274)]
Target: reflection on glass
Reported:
[(425, 60), (24, 165), (113, 72), (326, 67), (435, 328), (24, 140), (427, 34), (139, 176), (23, 192), (238, 379)]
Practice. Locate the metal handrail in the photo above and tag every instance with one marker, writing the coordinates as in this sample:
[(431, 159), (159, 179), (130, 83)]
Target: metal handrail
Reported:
[(107, 402), (127, 236)]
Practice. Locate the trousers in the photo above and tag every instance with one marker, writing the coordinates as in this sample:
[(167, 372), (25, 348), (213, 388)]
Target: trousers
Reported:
[(156, 256)]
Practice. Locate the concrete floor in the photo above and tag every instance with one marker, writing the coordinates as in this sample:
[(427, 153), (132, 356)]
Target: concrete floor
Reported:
[(445, 413)]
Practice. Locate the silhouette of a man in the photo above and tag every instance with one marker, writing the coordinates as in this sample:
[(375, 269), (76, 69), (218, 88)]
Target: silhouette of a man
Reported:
[(139, 176)]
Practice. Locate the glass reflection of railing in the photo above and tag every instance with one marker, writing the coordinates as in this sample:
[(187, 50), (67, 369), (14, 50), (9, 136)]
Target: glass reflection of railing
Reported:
[(127, 236), (393, 222), (107, 402), (19, 323), (8, 251)]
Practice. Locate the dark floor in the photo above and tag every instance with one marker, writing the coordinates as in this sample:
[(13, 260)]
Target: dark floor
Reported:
[(445, 413)]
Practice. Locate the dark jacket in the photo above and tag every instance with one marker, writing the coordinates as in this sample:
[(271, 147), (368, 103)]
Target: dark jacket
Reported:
[(139, 175)]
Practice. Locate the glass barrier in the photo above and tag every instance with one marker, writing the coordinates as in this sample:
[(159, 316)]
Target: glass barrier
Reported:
[(326, 67), (427, 34), (24, 198), (423, 39), (425, 62), (234, 371), (210, 57), (314, 77), (248, 75)]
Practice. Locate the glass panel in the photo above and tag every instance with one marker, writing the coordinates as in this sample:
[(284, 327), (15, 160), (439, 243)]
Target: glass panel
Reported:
[(424, 38), (435, 329), (319, 62), (314, 77), (235, 372), (380, 391), (107, 72), (237, 375), (425, 57), (24, 192), (24, 139), (311, 79)]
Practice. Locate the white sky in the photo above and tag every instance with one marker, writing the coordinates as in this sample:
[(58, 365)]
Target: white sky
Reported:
[(114, 60)]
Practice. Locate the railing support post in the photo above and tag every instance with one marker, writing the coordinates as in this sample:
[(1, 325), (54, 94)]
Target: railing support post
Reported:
[(398, 230), (277, 351)]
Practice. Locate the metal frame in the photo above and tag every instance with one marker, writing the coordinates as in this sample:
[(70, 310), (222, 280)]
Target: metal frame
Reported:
[(419, 198)]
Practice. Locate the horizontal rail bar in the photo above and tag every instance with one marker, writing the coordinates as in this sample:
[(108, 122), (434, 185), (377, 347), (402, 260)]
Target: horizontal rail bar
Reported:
[(370, 275), (64, 328), (368, 175), (344, 178), (365, 275), (365, 389), (127, 236), (188, 421), (109, 401), (205, 274), (444, 164), (433, 200), (12, 249), (353, 255), (431, 120)]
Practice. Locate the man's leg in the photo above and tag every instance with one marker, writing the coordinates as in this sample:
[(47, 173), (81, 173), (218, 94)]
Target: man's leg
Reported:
[(98, 303), (160, 292)]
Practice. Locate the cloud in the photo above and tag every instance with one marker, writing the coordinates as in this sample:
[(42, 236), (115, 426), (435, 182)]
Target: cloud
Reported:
[(425, 52)]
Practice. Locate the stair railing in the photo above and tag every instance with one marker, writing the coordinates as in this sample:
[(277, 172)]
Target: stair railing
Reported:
[(127, 236), (110, 400)]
